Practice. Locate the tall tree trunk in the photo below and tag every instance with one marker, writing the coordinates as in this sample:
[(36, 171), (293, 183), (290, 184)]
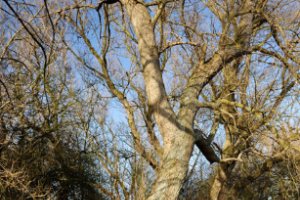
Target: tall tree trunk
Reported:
[(173, 168), (178, 144)]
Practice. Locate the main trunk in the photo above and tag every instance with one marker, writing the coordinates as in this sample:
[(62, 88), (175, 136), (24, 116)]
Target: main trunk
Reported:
[(173, 168), (178, 144)]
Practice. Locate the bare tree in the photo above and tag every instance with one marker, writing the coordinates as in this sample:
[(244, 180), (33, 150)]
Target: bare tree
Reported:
[(241, 27), (224, 56)]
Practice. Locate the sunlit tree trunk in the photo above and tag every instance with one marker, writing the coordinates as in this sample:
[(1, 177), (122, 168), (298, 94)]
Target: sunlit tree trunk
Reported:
[(177, 144)]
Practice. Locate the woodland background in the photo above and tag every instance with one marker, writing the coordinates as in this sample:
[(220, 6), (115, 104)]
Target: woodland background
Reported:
[(166, 99)]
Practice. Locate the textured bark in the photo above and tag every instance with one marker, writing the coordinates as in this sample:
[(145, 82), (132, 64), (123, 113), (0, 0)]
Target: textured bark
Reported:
[(174, 168), (177, 144)]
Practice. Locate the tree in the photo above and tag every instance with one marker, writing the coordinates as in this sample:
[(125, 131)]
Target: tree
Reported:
[(41, 152), (163, 39)]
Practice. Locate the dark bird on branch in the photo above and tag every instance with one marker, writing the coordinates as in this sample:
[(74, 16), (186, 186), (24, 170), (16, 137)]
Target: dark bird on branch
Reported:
[(106, 2)]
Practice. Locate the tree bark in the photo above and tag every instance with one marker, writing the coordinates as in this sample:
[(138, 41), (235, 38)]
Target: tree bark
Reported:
[(177, 144)]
